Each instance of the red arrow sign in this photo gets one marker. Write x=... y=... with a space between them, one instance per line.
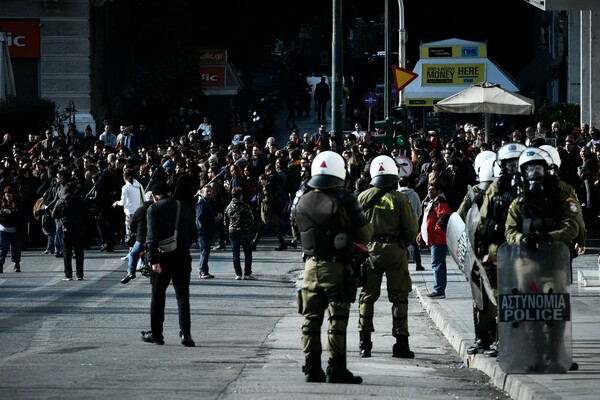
x=402 y=77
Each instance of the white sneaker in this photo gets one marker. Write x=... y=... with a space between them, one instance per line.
x=238 y=277
x=125 y=258
x=249 y=277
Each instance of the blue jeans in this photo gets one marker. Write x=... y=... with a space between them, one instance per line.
x=134 y=256
x=245 y=241
x=416 y=253
x=57 y=240
x=205 y=241
x=438 y=265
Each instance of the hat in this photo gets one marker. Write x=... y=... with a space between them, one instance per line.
x=88 y=128
x=160 y=188
x=432 y=133
x=569 y=139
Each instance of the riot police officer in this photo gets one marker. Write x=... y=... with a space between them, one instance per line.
x=394 y=226
x=490 y=233
x=543 y=213
x=323 y=211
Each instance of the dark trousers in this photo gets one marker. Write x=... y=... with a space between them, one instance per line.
x=106 y=225
x=176 y=267
x=70 y=244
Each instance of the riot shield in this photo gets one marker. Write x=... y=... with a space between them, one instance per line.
x=473 y=218
x=534 y=309
x=462 y=253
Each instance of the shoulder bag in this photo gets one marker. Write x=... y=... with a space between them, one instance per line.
x=169 y=244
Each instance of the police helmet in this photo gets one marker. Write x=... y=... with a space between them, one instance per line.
x=554 y=155
x=384 y=171
x=327 y=171
x=481 y=157
x=533 y=156
x=509 y=151
x=507 y=157
x=486 y=173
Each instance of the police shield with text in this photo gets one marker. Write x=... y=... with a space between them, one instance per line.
x=320 y=214
x=534 y=303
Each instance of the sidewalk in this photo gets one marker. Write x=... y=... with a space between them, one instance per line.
x=453 y=317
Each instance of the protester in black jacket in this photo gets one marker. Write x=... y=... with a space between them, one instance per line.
x=166 y=266
x=74 y=214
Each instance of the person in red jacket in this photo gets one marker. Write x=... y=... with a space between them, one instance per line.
x=436 y=213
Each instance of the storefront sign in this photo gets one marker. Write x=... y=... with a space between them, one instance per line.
x=452 y=74
x=23 y=37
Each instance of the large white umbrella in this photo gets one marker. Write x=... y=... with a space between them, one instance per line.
x=7 y=79
x=487 y=98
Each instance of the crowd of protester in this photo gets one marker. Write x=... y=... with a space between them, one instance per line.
x=99 y=165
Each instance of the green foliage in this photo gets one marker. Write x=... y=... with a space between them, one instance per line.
x=21 y=115
x=567 y=114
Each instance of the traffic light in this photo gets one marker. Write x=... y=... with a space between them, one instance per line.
x=400 y=127
x=387 y=126
x=395 y=133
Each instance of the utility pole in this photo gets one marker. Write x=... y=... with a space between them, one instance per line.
x=386 y=73
x=337 y=74
x=402 y=38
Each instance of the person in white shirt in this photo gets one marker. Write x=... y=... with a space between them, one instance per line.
x=132 y=196
x=205 y=129
x=358 y=132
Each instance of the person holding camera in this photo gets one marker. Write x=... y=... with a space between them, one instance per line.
x=320 y=213
x=13 y=223
x=394 y=228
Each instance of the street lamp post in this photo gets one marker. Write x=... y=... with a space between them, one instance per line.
x=71 y=111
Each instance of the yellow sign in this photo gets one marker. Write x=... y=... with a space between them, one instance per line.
x=402 y=77
x=452 y=74
x=468 y=51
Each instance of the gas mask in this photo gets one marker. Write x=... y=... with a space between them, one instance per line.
x=534 y=174
x=510 y=166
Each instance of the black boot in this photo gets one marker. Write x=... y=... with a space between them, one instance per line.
x=475 y=347
x=338 y=373
x=365 y=344
x=17 y=267
x=312 y=370
x=1 y=268
x=282 y=245
x=401 y=348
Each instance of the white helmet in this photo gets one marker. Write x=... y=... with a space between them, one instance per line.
x=481 y=157
x=327 y=170
x=384 y=171
x=507 y=157
x=510 y=150
x=486 y=173
x=554 y=155
x=532 y=155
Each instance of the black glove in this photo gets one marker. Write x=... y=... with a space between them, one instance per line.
x=532 y=240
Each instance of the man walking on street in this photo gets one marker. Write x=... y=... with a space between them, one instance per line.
x=175 y=265
x=322 y=96
x=239 y=219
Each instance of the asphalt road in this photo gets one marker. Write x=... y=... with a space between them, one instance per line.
x=80 y=339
